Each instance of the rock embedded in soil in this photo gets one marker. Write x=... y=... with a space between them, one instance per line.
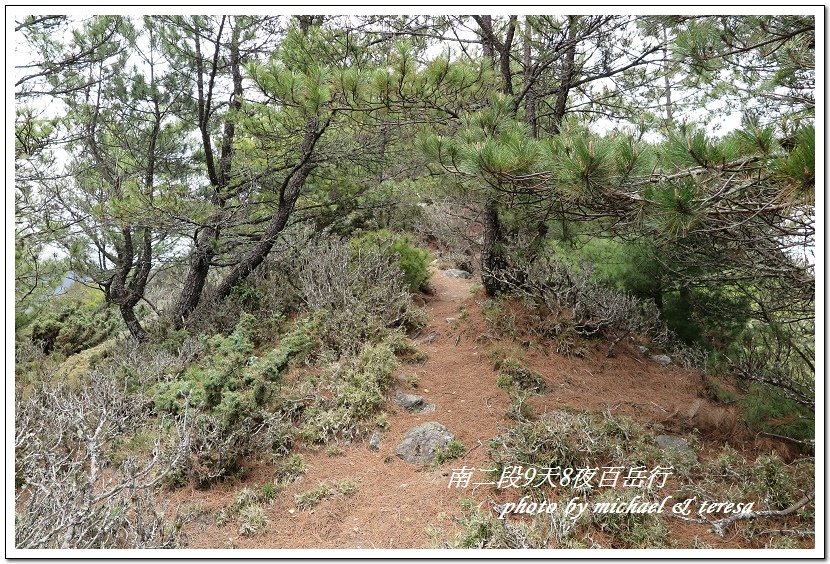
x=374 y=441
x=456 y=273
x=408 y=401
x=677 y=444
x=421 y=443
x=429 y=339
x=412 y=402
x=661 y=359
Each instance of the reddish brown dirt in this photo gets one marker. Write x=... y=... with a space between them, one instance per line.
x=398 y=505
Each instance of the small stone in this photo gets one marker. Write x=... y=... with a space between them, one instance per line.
x=675 y=443
x=374 y=441
x=643 y=350
x=408 y=401
x=450 y=319
x=429 y=339
x=661 y=359
x=456 y=273
x=421 y=443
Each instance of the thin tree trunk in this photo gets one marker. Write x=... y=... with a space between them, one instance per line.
x=669 y=115
x=492 y=261
x=207 y=236
x=288 y=197
x=530 y=99
x=258 y=254
x=130 y=319
x=567 y=76
x=195 y=279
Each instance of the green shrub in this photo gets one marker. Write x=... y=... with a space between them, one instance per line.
x=767 y=409
x=356 y=296
x=252 y=519
x=289 y=470
x=453 y=449
x=230 y=388
x=405 y=349
x=310 y=498
x=514 y=373
x=480 y=529
x=412 y=260
x=632 y=530
x=75 y=321
x=356 y=391
x=772 y=482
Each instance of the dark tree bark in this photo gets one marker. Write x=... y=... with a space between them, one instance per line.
x=492 y=259
x=208 y=235
x=530 y=97
x=567 y=77
x=289 y=193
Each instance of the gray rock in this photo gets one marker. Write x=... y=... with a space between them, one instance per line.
x=456 y=273
x=421 y=443
x=643 y=350
x=374 y=441
x=450 y=319
x=429 y=339
x=413 y=403
x=675 y=443
x=661 y=359
x=408 y=401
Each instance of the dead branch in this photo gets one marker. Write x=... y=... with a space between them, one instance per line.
x=720 y=526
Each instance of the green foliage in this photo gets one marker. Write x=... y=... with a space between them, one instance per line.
x=480 y=529
x=628 y=266
x=514 y=373
x=289 y=470
x=798 y=168
x=357 y=388
x=765 y=408
x=231 y=382
x=675 y=207
x=76 y=321
x=252 y=519
x=453 y=449
x=632 y=530
x=412 y=260
x=230 y=387
x=574 y=440
x=405 y=349
x=310 y=498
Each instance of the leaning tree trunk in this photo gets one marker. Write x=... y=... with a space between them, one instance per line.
x=203 y=252
x=257 y=255
x=289 y=193
x=132 y=323
x=195 y=279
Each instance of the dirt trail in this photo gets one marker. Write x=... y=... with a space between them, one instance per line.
x=400 y=505
x=396 y=503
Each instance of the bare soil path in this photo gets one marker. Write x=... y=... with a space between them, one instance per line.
x=400 y=505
